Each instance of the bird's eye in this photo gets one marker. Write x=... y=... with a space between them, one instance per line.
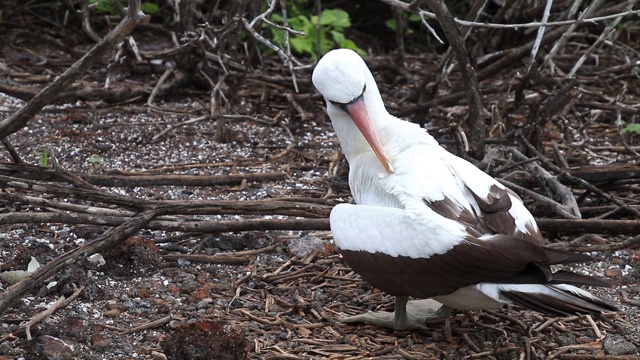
x=364 y=88
x=335 y=103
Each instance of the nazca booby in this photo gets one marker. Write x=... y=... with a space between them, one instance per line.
x=428 y=224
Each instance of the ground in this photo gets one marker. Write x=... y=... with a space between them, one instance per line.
x=284 y=298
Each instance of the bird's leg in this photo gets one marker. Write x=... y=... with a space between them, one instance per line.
x=407 y=314
x=401 y=320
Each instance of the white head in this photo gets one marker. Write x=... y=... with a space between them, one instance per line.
x=347 y=85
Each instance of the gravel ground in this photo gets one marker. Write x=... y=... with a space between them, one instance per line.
x=285 y=301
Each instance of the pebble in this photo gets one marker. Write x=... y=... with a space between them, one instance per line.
x=99 y=342
x=613 y=272
x=111 y=313
x=617 y=345
x=302 y=246
x=51 y=347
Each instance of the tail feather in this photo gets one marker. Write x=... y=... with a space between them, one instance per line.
x=559 y=300
x=559 y=256
x=571 y=278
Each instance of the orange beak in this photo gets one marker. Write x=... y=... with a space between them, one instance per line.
x=358 y=112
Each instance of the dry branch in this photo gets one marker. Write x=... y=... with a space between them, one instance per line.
x=20 y=118
x=477 y=125
x=586 y=226
x=134 y=180
x=107 y=240
x=200 y=226
x=209 y=259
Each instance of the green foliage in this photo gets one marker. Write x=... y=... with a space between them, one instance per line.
x=391 y=23
x=109 y=6
x=106 y=6
x=95 y=160
x=43 y=157
x=333 y=23
x=631 y=129
x=149 y=8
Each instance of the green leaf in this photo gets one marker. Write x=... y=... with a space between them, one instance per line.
x=348 y=44
x=327 y=17
x=631 y=129
x=338 y=36
x=302 y=45
x=149 y=8
x=340 y=18
x=414 y=17
x=391 y=24
x=96 y=160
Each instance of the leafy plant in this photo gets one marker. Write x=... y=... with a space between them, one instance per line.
x=631 y=129
x=391 y=23
x=109 y=6
x=333 y=23
x=95 y=160
x=43 y=157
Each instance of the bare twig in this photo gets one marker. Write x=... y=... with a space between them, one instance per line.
x=534 y=24
x=21 y=117
x=149 y=325
x=106 y=241
x=476 y=109
x=57 y=305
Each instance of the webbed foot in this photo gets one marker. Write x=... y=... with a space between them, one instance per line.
x=408 y=315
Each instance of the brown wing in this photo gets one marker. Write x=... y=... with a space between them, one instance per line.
x=494 y=217
x=504 y=259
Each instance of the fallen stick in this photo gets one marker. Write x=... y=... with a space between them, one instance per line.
x=200 y=226
x=289 y=207
x=108 y=240
x=209 y=259
x=149 y=325
x=20 y=118
x=31 y=172
x=590 y=226
x=59 y=304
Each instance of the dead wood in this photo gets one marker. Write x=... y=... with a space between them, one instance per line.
x=517 y=54
x=564 y=176
x=21 y=117
x=198 y=226
x=605 y=174
x=604 y=248
x=569 y=207
x=61 y=303
x=209 y=259
x=107 y=240
x=289 y=207
x=132 y=179
x=149 y=325
x=477 y=125
x=586 y=226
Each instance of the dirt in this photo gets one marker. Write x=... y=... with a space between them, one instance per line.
x=285 y=302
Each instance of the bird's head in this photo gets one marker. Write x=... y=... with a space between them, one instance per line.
x=343 y=79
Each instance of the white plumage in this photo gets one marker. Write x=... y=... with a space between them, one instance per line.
x=428 y=223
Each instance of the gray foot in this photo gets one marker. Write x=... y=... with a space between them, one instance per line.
x=408 y=315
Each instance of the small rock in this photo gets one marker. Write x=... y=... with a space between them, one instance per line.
x=204 y=303
x=99 y=342
x=143 y=293
x=613 y=272
x=201 y=293
x=302 y=246
x=616 y=345
x=54 y=348
x=205 y=340
x=72 y=328
x=111 y=313
x=158 y=355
